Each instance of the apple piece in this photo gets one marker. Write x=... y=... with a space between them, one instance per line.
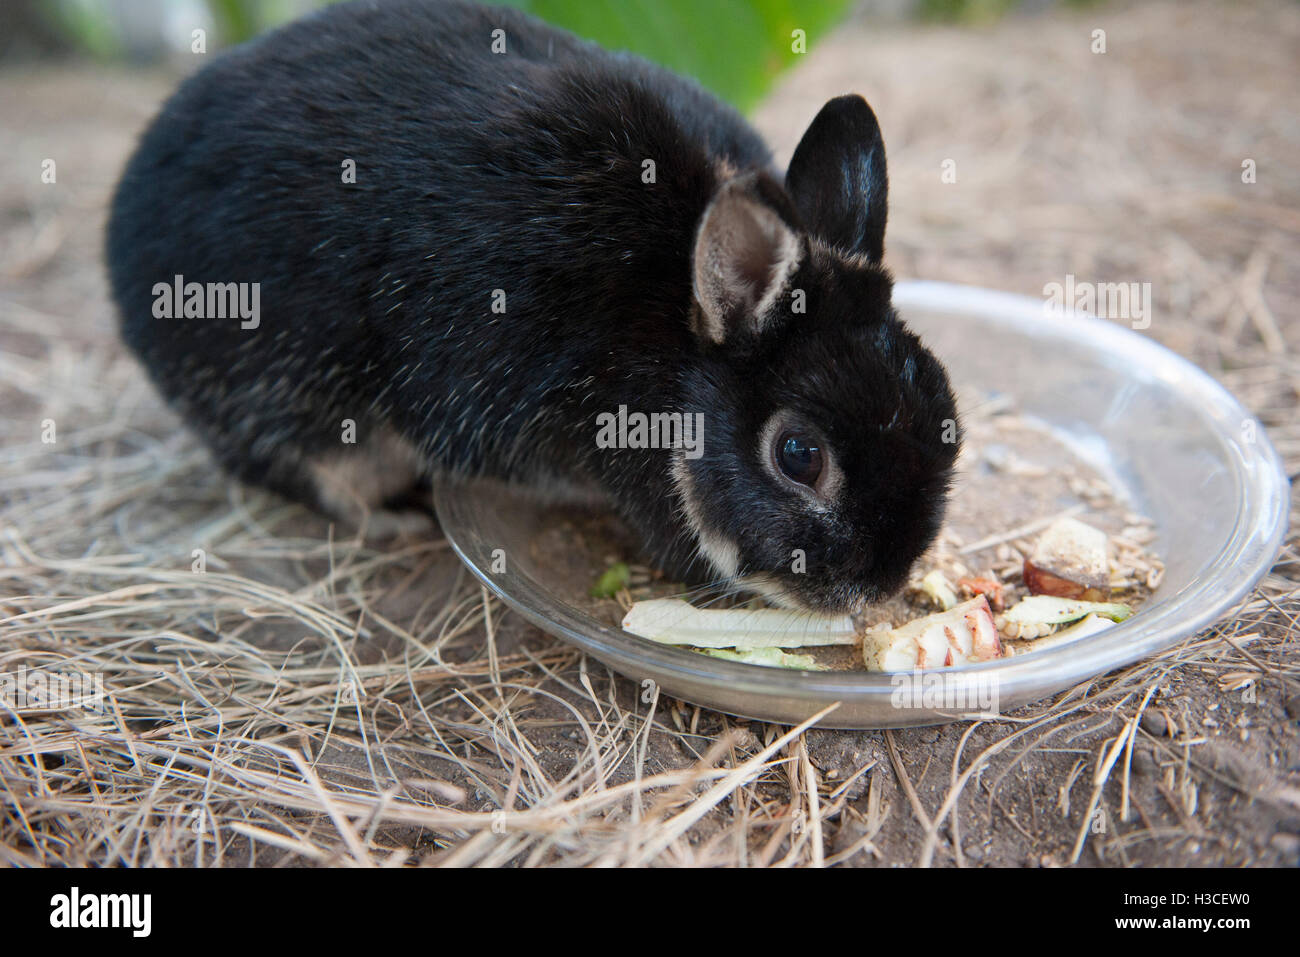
x=963 y=634
x=938 y=589
x=1069 y=561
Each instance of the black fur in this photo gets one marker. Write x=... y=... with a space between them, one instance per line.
x=843 y=150
x=523 y=172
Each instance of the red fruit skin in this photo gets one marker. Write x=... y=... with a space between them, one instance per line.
x=980 y=649
x=989 y=588
x=1040 y=581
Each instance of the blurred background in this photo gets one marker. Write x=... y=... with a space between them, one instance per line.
x=676 y=33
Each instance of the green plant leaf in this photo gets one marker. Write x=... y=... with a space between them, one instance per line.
x=735 y=48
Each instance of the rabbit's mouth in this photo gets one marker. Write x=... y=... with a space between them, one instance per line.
x=850 y=600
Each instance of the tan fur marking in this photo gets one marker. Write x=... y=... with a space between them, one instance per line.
x=723 y=555
x=358 y=479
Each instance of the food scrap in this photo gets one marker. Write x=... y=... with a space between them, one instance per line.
x=614 y=580
x=965 y=633
x=937 y=588
x=1049 y=610
x=990 y=588
x=1038 y=555
x=671 y=621
x=1070 y=561
x=768 y=657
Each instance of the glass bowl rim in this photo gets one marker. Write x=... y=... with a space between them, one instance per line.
x=1259 y=528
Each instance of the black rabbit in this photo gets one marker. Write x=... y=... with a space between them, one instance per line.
x=396 y=239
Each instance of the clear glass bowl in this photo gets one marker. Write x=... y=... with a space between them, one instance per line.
x=1162 y=430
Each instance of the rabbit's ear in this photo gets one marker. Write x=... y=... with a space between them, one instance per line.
x=746 y=249
x=837 y=178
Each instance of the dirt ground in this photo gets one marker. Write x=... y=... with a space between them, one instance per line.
x=314 y=699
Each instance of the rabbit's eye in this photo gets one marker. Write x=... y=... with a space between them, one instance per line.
x=800 y=457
